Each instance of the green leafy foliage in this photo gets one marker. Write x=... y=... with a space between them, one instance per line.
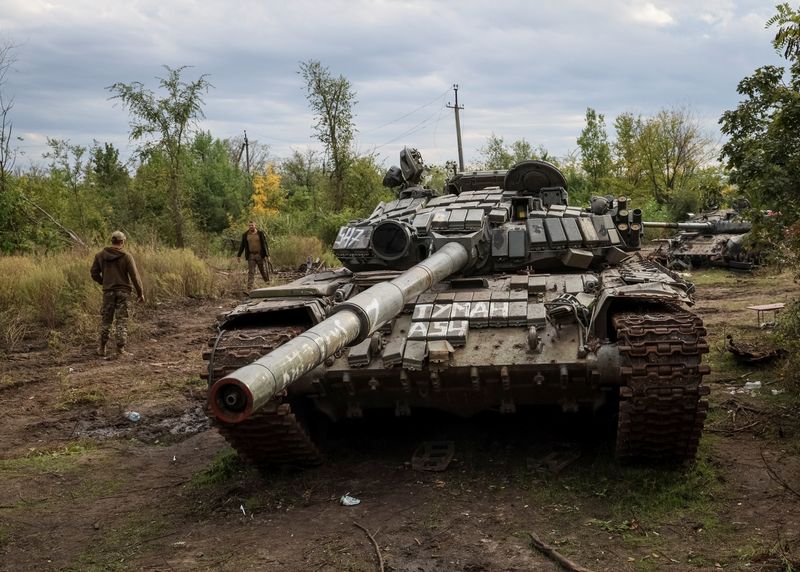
x=218 y=188
x=787 y=38
x=496 y=154
x=762 y=150
x=595 y=149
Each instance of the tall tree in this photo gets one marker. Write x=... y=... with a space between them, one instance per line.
x=332 y=100
x=7 y=154
x=672 y=148
x=164 y=123
x=595 y=149
x=627 y=162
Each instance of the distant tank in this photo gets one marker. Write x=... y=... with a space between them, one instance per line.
x=713 y=238
x=488 y=299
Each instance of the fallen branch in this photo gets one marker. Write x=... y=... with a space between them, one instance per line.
x=374 y=543
x=735 y=429
x=777 y=478
x=555 y=555
x=72 y=235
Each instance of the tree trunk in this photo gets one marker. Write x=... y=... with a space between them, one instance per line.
x=177 y=215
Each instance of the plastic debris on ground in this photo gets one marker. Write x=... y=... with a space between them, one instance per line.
x=133 y=416
x=348 y=500
x=751 y=385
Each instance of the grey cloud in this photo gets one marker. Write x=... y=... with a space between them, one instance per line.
x=524 y=69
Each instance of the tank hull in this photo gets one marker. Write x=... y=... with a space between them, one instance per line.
x=498 y=347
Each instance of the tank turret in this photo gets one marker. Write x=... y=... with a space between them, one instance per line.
x=495 y=296
x=714 y=238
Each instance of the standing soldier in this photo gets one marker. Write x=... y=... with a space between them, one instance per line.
x=115 y=269
x=256 y=252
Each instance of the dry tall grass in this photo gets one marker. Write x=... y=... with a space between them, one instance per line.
x=291 y=251
x=56 y=291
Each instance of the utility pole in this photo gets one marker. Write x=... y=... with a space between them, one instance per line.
x=456 y=107
x=247 y=152
x=246 y=149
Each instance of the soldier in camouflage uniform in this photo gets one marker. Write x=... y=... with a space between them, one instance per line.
x=115 y=269
x=256 y=252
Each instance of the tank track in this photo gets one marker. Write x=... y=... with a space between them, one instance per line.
x=661 y=410
x=274 y=434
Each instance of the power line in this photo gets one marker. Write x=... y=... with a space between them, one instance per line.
x=414 y=129
x=431 y=102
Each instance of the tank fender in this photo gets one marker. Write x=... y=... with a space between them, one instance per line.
x=647 y=291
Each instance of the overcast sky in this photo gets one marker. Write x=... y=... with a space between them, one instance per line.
x=525 y=69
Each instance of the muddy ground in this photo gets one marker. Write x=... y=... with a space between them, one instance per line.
x=84 y=488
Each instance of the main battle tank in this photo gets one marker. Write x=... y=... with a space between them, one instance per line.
x=714 y=238
x=493 y=298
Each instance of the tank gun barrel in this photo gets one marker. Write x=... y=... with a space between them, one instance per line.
x=235 y=397
x=719 y=226
x=698 y=226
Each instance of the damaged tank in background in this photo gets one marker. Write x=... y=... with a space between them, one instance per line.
x=713 y=238
x=493 y=298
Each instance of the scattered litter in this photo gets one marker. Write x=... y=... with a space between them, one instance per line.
x=348 y=500
x=71 y=370
x=174 y=458
x=777 y=391
x=433 y=456
x=133 y=416
x=179 y=544
x=751 y=385
x=241 y=508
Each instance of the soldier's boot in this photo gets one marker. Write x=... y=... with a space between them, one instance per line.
x=123 y=353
